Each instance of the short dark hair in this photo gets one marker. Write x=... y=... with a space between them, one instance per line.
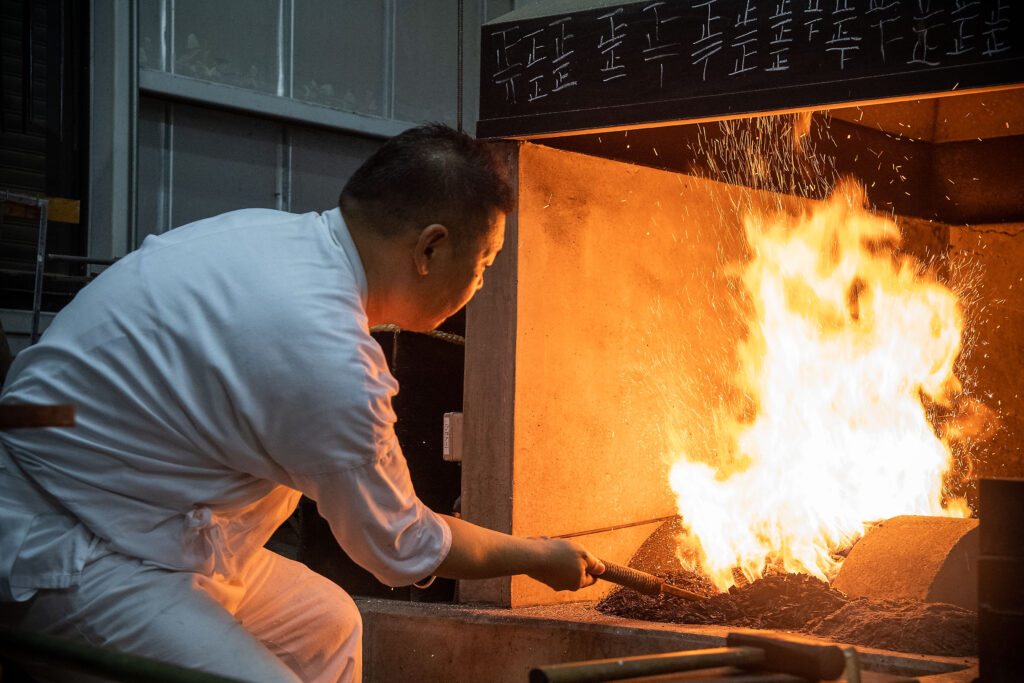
x=429 y=174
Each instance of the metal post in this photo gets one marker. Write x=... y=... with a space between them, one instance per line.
x=37 y=290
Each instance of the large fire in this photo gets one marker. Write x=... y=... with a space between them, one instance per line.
x=845 y=341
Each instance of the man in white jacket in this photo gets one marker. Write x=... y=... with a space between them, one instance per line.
x=221 y=371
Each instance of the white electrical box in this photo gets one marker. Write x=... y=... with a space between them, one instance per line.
x=452 y=449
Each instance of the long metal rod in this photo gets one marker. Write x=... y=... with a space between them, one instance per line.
x=70 y=258
x=626 y=525
x=751 y=678
x=18 y=198
x=648 y=665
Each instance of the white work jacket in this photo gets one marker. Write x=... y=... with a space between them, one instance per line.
x=217 y=372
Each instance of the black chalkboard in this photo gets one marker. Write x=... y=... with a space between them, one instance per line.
x=647 y=62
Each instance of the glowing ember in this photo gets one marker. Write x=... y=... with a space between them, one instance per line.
x=844 y=339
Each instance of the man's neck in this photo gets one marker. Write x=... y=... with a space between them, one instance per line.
x=378 y=267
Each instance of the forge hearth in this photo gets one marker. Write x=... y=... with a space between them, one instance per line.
x=931 y=642
x=435 y=643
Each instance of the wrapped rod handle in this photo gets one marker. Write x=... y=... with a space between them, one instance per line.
x=641 y=582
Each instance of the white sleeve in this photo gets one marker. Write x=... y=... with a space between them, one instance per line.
x=378 y=520
x=320 y=409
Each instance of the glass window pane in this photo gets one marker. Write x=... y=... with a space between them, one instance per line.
x=151 y=35
x=426 y=60
x=339 y=54
x=220 y=162
x=233 y=42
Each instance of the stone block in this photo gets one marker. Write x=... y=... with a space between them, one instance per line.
x=933 y=559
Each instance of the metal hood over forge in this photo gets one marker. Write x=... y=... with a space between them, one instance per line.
x=569 y=66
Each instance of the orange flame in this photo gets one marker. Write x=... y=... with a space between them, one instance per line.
x=844 y=338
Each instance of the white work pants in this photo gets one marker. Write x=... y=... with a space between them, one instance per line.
x=277 y=621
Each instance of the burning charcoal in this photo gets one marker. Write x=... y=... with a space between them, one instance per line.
x=797 y=602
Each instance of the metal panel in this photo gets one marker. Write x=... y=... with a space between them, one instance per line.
x=321 y=163
x=152 y=27
x=264 y=105
x=221 y=162
x=426 y=53
x=308 y=166
x=112 y=126
x=587 y=66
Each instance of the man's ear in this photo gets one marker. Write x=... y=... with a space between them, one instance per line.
x=430 y=238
